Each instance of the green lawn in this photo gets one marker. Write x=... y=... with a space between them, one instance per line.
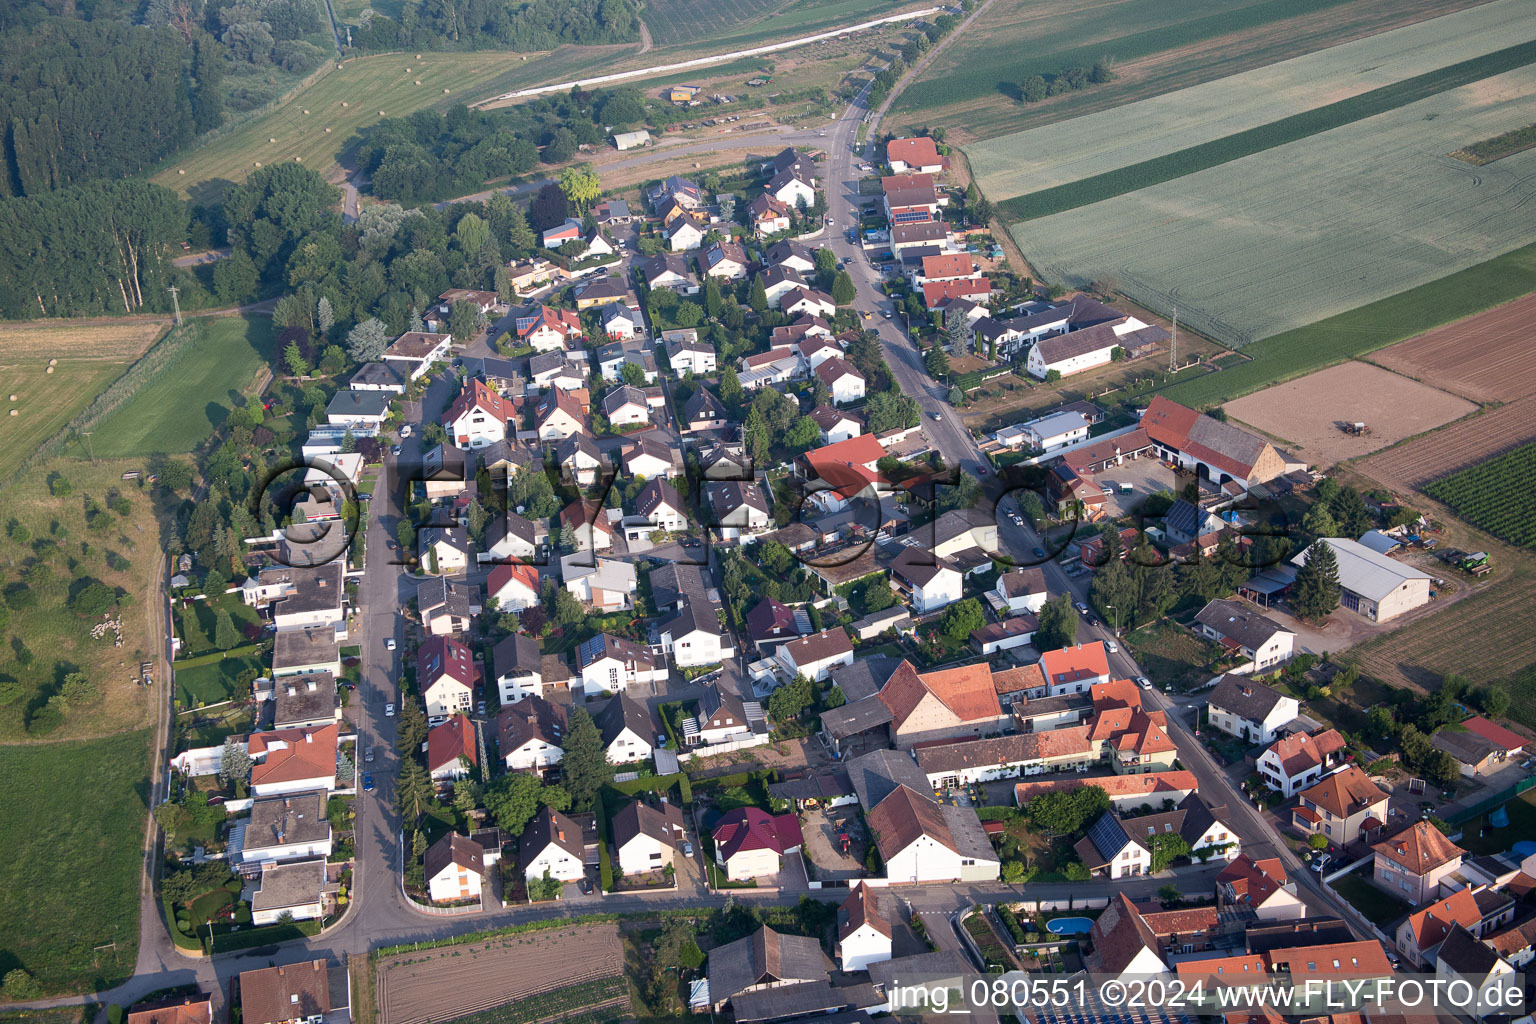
x=1522 y=825
x=213 y=682
x=198 y=624
x=1381 y=908
x=181 y=407
x=1299 y=352
x=69 y=883
x=1173 y=657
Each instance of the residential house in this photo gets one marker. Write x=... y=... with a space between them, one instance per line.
x=377 y=377
x=952 y=765
x=910 y=237
x=1412 y=863
x=1461 y=957
x=304 y=701
x=770 y=623
x=446 y=607
x=675 y=189
x=723 y=717
x=927 y=582
x=615 y=211
x=1022 y=590
x=298 y=993
x=452 y=752
x=363 y=412
x=814 y=656
x=646 y=837
x=1240 y=629
x=1205 y=828
x=529 y=734
x=704 y=411
x=1123 y=944
x=627 y=729
x=792 y=188
x=1213 y=449
x=779 y=280
x=416 y=352
x=666 y=270
x=687 y=354
x=547 y=329
x=844 y=383
x=836 y=425
x=768 y=216
x=914 y=156
x=693 y=635
x=959 y=530
x=721 y=461
x=514 y=585
x=1295 y=762
x=509 y=537
x=660 y=504
x=910 y=198
x=444 y=550
x=605 y=584
x=1343 y=807
x=802 y=301
x=921 y=840
x=749 y=842
x=552 y=845
x=579 y=460
x=600 y=291
x=620 y=323
x=557 y=236
x=587 y=525
x=1111 y=851
x=518 y=666
x=446 y=674
x=948 y=704
x=791 y=255
x=626 y=406
x=764 y=960
x=739 y=508
x=1075 y=669
x=724 y=261
x=290 y=761
x=612 y=664
x=650 y=459
x=559 y=415
x=863 y=934
x=684 y=234
x=305 y=651
x=532 y=275
x=286 y=828
x=1419 y=935
x=1249 y=709
x=1259 y=886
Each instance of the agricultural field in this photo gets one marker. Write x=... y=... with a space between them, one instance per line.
x=480 y=979
x=1489 y=637
x=1466 y=443
x=189 y=398
x=1500 y=146
x=1404 y=315
x=1313 y=228
x=1308 y=413
x=90 y=356
x=743 y=21
x=1485 y=357
x=973 y=88
x=69 y=883
x=317 y=122
x=53 y=536
x=1495 y=495
x=1070 y=151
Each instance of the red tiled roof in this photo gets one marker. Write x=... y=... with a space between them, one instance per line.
x=936 y=292
x=948 y=264
x=1345 y=792
x=448 y=742
x=918 y=152
x=293 y=754
x=1150 y=784
x=477 y=394
x=1419 y=848
x=441 y=657
x=1434 y=922
x=1299 y=753
x=1359 y=959
x=509 y=571
x=1495 y=733
x=1070 y=664
x=752 y=828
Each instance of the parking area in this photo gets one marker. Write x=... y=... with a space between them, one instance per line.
x=823 y=828
x=1145 y=475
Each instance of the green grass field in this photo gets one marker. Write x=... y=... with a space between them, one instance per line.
x=735 y=24
x=1377 y=325
x=682 y=21
x=1495 y=495
x=179 y=409
x=69 y=883
x=1264 y=137
x=214 y=682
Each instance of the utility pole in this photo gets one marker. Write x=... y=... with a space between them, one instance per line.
x=175 y=304
x=1173 y=346
x=87 y=435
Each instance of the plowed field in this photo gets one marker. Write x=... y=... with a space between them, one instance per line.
x=1458 y=446
x=456 y=981
x=1485 y=357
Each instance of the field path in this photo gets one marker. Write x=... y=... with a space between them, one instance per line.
x=645 y=36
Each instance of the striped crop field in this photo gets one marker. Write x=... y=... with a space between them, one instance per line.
x=746 y=22
x=1495 y=495
x=1313 y=228
x=1096 y=144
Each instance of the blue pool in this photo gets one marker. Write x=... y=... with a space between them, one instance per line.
x=1070 y=925
x=1524 y=848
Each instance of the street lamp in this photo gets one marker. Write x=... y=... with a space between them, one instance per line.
x=1117 y=617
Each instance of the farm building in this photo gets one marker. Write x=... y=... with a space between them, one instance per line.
x=1209 y=447
x=1374 y=585
x=919 y=155
x=631 y=140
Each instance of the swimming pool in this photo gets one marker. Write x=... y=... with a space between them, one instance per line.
x=1069 y=925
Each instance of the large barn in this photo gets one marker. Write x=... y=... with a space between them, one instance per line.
x=1211 y=448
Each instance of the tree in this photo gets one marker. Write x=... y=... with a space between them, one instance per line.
x=843 y=292
x=92 y=600
x=1058 y=624
x=413 y=791
x=235 y=764
x=731 y=391
x=957 y=334
x=961 y=619
x=580 y=185
x=1317 y=841
x=1068 y=812
x=1166 y=848
x=1052 y=376
x=936 y=361
x=1349 y=511
x=225 y=635
x=757 y=298
x=410 y=728
x=1319 y=521
x=789 y=701
x=463 y=322
x=584 y=765
x=803 y=434
x=367 y=341
x=713 y=303
x=757 y=436
x=1316 y=590
x=1031 y=507
x=514 y=798
x=325 y=316
x=293 y=358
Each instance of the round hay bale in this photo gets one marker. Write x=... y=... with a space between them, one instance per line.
x=306 y=111
x=49 y=370
x=181 y=172
x=258 y=163
x=418 y=56
x=418 y=81
x=327 y=131
x=15 y=412
x=53 y=362
x=344 y=103
x=445 y=92
x=271 y=138
x=298 y=159
x=407 y=70
x=13 y=398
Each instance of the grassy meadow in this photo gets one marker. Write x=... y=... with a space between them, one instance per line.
x=183 y=405
x=69 y=883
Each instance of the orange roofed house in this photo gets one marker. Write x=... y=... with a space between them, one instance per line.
x=944 y=705
x=1344 y=806
x=914 y=156
x=1411 y=864
x=1422 y=931
x=1261 y=886
x=293 y=760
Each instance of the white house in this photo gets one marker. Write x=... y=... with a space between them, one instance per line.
x=921 y=840
x=723 y=717
x=416 y=352
x=686 y=353
x=514 y=586
x=1110 y=852
x=620 y=323
x=749 y=842
x=508 y=536
x=552 y=845
x=1260 y=886
x=612 y=664
x=725 y=261
x=444 y=550
x=1462 y=957
x=519 y=669
x=1250 y=710
x=1295 y=762
x=843 y=382
x=445 y=671
x=1056 y=430
x=1076 y=351
x=807 y=301
x=1239 y=627
x=816 y=655
x=291 y=761
x=661 y=505
x=626 y=406
x=835 y=425
x=452 y=751
x=289 y=891
x=918 y=155
x=929 y=582
x=363 y=411
x=606 y=584
x=478 y=416
x=287 y=828
x=529 y=734
x=627 y=730
x=863 y=935
x=692 y=635
x=1204 y=827
x=1022 y=590
x=645 y=836
x=791 y=189
x=683 y=234
x=454 y=867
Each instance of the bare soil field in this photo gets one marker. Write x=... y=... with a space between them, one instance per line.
x=1474 y=439
x=1308 y=413
x=1485 y=357
x=113 y=342
x=455 y=981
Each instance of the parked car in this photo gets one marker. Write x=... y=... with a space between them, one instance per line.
x=389 y=711
x=938 y=417
x=368 y=755
x=405 y=431
x=480 y=709
x=368 y=782
x=395 y=449
x=1111 y=647
x=365 y=496
x=1144 y=682
x=389 y=643
x=687 y=848
x=1040 y=553
x=1082 y=609
x=1320 y=862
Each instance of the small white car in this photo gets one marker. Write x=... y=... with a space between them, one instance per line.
x=389 y=711
x=1144 y=682
x=389 y=643
x=1111 y=647
x=405 y=431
